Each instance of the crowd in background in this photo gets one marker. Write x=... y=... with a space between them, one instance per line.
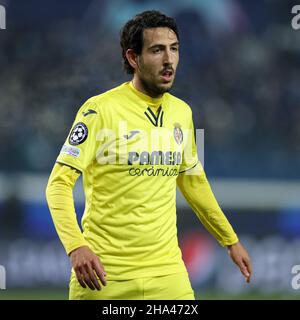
x=239 y=72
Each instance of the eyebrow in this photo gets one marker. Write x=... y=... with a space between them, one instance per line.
x=163 y=45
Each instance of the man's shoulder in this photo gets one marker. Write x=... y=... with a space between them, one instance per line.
x=106 y=97
x=178 y=103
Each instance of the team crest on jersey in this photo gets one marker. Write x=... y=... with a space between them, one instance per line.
x=79 y=134
x=178 y=134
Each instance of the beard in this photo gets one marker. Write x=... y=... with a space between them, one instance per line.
x=153 y=89
x=151 y=85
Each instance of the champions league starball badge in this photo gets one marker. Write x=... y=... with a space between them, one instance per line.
x=78 y=134
x=178 y=134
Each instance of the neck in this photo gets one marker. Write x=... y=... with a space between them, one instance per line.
x=137 y=83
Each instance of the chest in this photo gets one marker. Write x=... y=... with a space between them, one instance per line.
x=143 y=136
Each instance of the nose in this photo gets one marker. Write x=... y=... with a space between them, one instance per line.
x=168 y=57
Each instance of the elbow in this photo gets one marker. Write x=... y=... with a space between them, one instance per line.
x=48 y=191
x=51 y=186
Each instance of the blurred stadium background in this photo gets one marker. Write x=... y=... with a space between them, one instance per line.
x=239 y=71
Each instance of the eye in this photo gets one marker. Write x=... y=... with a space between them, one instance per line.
x=156 y=50
x=175 y=49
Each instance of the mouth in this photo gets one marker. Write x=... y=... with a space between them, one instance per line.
x=167 y=75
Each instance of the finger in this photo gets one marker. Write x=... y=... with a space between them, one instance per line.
x=79 y=278
x=86 y=278
x=99 y=271
x=244 y=269
x=93 y=278
x=248 y=265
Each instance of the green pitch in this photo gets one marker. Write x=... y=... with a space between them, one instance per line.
x=60 y=294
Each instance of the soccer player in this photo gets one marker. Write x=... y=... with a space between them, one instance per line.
x=133 y=144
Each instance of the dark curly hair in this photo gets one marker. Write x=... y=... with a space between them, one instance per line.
x=131 y=35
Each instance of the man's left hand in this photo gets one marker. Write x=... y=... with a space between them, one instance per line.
x=241 y=258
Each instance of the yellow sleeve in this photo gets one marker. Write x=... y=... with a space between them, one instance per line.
x=190 y=156
x=80 y=147
x=59 y=195
x=197 y=191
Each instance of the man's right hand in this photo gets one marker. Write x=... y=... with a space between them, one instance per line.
x=87 y=267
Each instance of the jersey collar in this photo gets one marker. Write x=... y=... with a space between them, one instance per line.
x=152 y=102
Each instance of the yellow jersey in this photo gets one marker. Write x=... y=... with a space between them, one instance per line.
x=130 y=149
